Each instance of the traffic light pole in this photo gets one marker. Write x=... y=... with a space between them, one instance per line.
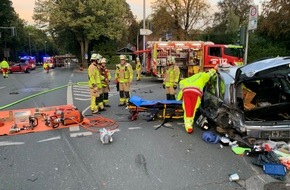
x=246 y=47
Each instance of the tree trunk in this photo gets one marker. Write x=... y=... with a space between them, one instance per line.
x=84 y=44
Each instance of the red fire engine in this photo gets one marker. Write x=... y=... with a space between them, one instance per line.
x=190 y=56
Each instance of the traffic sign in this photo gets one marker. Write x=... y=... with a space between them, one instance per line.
x=145 y=32
x=253 y=17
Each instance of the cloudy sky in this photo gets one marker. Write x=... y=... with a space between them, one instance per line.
x=25 y=8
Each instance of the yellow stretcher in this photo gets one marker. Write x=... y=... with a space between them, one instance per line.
x=164 y=109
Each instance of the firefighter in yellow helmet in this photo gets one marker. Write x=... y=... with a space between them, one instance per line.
x=105 y=82
x=124 y=77
x=171 y=79
x=46 y=66
x=100 y=99
x=190 y=93
x=138 y=69
x=94 y=83
x=4 y=65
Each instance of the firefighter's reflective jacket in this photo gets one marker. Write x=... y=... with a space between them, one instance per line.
x=124 y=73
x=171 y=76
x=106 y=76
x=195 y=83
x=94 y=76
x=138 y=66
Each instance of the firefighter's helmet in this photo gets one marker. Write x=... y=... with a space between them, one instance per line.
x=171 y=60
x=123 y=57
x=137 y=59
x=103 y=60
x=96 y=56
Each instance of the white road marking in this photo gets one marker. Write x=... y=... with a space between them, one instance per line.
x=7 y=143
x=82 y=134
x=130 y=128
x=81 y=86
x=83 y=99
x=69 y=94
x=1 y=87
x=49 y=139
x=115 y=130
x=84 y=95
x=74 y=128
x=83 y=91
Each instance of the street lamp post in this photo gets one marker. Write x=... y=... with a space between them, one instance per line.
x=144 y=38
x=45 y=48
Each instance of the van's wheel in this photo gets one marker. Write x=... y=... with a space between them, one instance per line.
x=232 y=133
x=251 y=140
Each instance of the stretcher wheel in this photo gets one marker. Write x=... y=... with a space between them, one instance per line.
x=133 y=116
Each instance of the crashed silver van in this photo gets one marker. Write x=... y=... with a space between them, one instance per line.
x=253 y=99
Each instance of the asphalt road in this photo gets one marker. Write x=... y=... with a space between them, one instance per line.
x=140 y=156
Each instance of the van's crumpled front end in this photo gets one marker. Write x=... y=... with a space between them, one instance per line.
x=253 y=99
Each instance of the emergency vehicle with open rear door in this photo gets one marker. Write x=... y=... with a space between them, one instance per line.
x=190 y=56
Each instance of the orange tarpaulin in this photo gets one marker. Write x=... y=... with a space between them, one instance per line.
x=16 y=122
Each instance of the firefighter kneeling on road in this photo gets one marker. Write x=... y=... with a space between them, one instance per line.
x=94 y=83
x=191 y=90
x=171 y=79
x=124 y=76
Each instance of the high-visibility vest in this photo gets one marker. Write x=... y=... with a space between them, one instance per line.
x=138 y=66
x=106 y=75
x=124 y=73
x=94 y=76
x=171 y=76
x=195 y=83
x=4 y=64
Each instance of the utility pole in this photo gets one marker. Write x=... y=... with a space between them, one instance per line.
x=144 y=37
x=252 y=25
x=137 y=48
x=29 y=44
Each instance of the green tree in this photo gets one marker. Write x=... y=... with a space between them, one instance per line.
x=162 y=22
x=274 y=21
x=227 y=20
x=262 y=47
x=182 y=16
x=240 y=8
x=7 y=19
x=86 y=19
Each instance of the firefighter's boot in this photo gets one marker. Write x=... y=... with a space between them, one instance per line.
x=188 y=124
x=172 y=97
x=94 y=107
x=101 y=103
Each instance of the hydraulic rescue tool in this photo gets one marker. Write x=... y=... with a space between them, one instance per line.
x=63 y=116
x=33 y=122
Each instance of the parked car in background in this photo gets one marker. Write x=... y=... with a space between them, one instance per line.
x=30 y=60
x=253 y=100
x=19 y=67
